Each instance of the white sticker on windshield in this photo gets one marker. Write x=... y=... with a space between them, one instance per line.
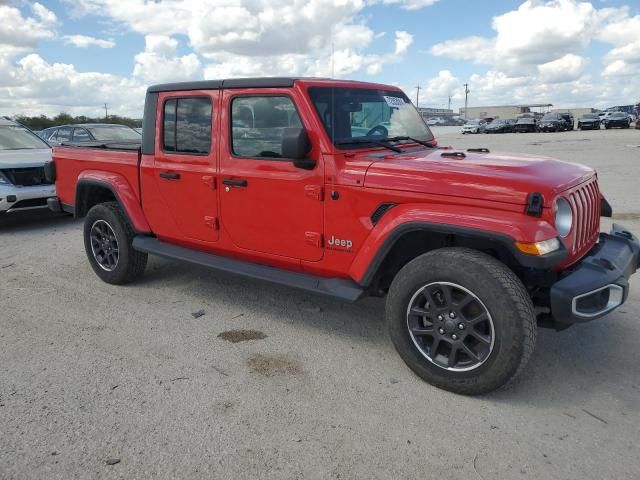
x=394 y=101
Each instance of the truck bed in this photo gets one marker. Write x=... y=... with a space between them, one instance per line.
x=95 y=160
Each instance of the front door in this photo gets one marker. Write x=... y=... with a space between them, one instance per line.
x=267 y=204
x=185 y=164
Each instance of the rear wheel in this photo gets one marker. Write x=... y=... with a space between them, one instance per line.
x=461 y=320
x=108 y=241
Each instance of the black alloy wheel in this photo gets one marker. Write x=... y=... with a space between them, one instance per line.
x=104 y=245
x=450 y=326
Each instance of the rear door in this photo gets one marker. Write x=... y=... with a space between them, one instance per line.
x=186 y=161
x=267 y=204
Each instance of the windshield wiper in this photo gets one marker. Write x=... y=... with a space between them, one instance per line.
x=400 y=138
x=361 y=140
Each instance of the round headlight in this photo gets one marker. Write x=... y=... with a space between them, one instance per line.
x=564 y=217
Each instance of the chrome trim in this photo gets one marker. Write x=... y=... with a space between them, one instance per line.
x=616 y=296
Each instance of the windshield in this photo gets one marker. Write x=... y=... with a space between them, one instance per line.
x=618 y=115
x=590 y=116
x=550 y=117
x=114 y=133
x=498 y=122
x=19 y=138
x=351 y=116
x=472 y=122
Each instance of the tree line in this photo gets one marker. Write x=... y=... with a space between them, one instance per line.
x=41 y=122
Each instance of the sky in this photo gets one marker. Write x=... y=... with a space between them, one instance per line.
x=76 y=55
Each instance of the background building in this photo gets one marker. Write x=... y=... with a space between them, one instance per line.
x=504 y=111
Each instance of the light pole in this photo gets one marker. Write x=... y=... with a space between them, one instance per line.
x=418 y=96
x=466 y=99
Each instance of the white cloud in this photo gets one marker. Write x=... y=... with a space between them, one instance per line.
x=538 y=53
x=411 y=4
x=160 y=63
x=275 y=37
x=41 y=87
x=564 y=69
x=20 y=33
x=84 y=41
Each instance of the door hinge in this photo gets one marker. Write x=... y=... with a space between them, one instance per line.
x=313 y=238
x=212 y=222
x=314 y=191
x=210 y=181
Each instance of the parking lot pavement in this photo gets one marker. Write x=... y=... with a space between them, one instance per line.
x=98 y=381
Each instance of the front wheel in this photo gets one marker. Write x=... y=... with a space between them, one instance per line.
x=108 y=238
x=461 y=320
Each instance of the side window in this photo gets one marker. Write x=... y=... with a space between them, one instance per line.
x=187 y=125
x=63 y=135
x=258 y=123
x=80 y=135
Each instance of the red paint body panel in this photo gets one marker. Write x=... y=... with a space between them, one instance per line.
x=296 y=219
x=119 y=169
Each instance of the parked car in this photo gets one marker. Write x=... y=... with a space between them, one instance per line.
x=474 y=126
x=90 y=132
x=553 y=122
x=568 y=117
x=500 y=126
x=617 y=119
x=638 y=123
x=471 y=248
x=526 y=124
x=589 y=121
x=23 y=185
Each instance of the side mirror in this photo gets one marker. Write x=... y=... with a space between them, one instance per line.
x=296 y=145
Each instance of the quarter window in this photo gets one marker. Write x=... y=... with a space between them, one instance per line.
x=258 y=124
x=64 y=134
x=187 y=125
x=80 y=135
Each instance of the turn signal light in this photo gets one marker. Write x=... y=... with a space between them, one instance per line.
x=539 y=248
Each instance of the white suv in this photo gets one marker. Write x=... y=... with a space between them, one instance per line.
x=23 y=185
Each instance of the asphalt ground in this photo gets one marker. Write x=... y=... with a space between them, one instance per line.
x=98 y=381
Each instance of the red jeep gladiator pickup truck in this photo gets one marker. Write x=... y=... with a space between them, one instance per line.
x=338 y=187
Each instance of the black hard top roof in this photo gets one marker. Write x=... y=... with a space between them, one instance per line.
x=259 y=82
x=263 y=82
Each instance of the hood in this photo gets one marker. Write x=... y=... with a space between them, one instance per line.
x=500 y=177
x=27 y=158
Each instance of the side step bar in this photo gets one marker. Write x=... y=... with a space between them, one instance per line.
x=334 y=287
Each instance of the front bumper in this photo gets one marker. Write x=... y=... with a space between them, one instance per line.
x=14 y=198
x=600 y=282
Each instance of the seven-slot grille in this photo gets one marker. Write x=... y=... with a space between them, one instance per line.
x=585 y=203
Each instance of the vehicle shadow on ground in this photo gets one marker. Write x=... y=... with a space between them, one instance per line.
x=586 y=358
x=572 y=366
x=34 y=220
x=364 y=319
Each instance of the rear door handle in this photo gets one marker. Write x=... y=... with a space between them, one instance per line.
x=235 y=183
x=170 y=175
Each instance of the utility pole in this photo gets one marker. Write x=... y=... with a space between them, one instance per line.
x=106 y=113
x=449 y=107
x=418 y=96
x=466 y=99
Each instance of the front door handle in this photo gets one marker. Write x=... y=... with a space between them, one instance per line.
x=170 y=175
x=235 y=183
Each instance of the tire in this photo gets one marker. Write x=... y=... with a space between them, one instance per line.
x=511 y=320
x=107 y=229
